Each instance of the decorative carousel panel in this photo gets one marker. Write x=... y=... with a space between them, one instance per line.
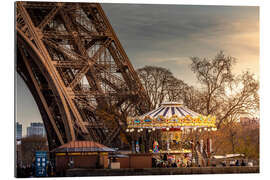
x=172 y=115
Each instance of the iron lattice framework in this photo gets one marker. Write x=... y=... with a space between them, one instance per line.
x=79 y=74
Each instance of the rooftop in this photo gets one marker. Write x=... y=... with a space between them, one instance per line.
x=83 y=146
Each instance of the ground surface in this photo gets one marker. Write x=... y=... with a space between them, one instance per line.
x=161 y=171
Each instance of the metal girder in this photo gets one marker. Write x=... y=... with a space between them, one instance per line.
x=93 y=81
x=79 y=43
x=65 y=35
x=43 y=53
x=76 y=57
x=102 y=49
x=69 y=64
x=79 y=76
x=49 y=17
x=45 y=105
x=113 y=134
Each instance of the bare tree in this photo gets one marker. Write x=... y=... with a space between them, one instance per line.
x=224 y=94
x=241 y=98
x=233 y=137
x=221 y=93
x=214 y=76
x=156 y=82
x=31 y=144
x=161 y=85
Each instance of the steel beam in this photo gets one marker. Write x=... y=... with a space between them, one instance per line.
x=80 y=43
x=45 y=105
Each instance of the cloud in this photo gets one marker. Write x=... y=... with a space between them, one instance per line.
x=167 y=35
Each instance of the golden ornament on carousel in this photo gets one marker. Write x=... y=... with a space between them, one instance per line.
x=172 y=115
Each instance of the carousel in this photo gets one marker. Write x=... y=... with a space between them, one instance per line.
x=169 y=125
x=171 y=115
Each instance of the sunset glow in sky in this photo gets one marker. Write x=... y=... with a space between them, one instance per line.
x=168 y=35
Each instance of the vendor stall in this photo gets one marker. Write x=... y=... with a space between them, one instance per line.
x=81 y=154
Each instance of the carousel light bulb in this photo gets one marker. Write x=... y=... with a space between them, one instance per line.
x=195 y=128
x=200 y=130
x=138 y=130
x=149 y=130
x=127 y=130
x=209 y=129
x=154 y=129
x=141 y=129
x=182 y=128
x=205 y=129
x=167 y=129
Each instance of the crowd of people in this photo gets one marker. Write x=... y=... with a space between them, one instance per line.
x=163 y=161
x=28 y=170
x=25 y=170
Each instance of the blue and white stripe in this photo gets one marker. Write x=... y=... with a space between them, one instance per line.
x=167 y=110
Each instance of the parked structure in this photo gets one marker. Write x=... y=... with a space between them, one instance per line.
x=81 y=154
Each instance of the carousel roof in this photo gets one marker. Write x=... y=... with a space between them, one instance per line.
x=83 y=146
x=169 y=109
x=171 y=115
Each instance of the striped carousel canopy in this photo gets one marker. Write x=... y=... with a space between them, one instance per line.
x=167 y=110
x=171 y=115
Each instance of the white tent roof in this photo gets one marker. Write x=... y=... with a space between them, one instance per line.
x=169 y=109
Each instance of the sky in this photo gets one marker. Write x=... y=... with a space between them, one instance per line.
x=168 y=35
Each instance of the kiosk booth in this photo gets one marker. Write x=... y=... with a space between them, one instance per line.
x=81 y=154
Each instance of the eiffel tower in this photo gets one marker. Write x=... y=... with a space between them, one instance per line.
x=77 y=71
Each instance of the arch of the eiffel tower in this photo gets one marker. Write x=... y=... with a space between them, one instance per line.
x=77 y=71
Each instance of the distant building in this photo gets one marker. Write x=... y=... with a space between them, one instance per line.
x=18 y=131
x=250 y=122
x=37 y=129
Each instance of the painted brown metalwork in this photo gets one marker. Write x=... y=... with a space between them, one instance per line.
x=75 y=66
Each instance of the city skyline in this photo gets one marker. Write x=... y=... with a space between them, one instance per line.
x=168 y=35
x=36 y=128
